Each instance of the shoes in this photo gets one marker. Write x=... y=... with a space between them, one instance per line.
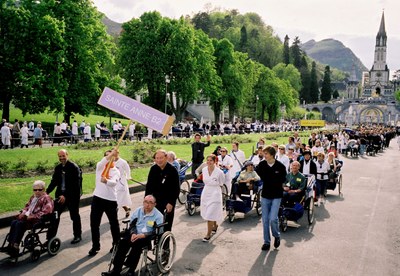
x=214 y=231
x=265 y=247
x=93 y=251
x=110 y=273
x=76 y=240
x=277 y=242
x=206 y=239
x=238 y=198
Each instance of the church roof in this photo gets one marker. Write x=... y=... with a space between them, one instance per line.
x=382 y=30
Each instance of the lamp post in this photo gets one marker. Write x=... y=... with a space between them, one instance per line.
x=257 y=98
x=167 y=80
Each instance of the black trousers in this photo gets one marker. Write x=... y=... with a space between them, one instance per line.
x=100 y=206
x=194 y=167
x=134 y=255
x=73 y=207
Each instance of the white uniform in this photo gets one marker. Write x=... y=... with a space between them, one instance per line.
x=227 y=161
x=5 y=135
x=238 y=161
x=24 y=135
x=132 y=131
x=97 y=131
x=87 y=133
x=74 y=128
x=107 y=190
x=284 y=160
x=211 y=208
x=123 y=195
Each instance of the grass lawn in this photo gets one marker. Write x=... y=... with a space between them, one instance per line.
x=16 y=191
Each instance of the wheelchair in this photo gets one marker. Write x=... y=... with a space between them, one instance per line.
x=32 y=244
x=295 y=211
x=338 y=181
x=160 y=253
x=193 y=198
x=184 y=184
x=247 y=202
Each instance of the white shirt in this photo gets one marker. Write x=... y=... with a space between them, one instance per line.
x=106 y=190
x=75 y=128
x=322 y=168
x=284 y=160
x=238 y=159
x=88 y=133
x=306 y=166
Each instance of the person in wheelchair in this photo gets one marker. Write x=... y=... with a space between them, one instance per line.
x=38 y=205
x=246 y=180
x=334 y=167
x=294 y=188
x=142 y=228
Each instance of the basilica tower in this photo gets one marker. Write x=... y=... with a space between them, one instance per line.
x=377 y=84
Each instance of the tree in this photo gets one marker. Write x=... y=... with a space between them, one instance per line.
x=326 y=89
x=305 y=81
x=290 y=73
x=296 y=53
x=243 y=40
x=230 y=70
x=202 y=21
x=31 y=57
x=335 y=94
x=314 y=89
x=286 y=51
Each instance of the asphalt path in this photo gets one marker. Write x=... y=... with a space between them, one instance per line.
x=357 y=233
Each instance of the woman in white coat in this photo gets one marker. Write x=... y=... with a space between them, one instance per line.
x=24 y=136
x=225 y=163
x=211 y=208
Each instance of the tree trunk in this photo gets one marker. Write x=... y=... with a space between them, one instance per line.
x=6 y=108
x=231 y=111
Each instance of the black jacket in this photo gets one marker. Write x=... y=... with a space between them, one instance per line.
x=163 y=185
x=273 y=179
x=73 y=188
x=198 y=151
x=313 y=167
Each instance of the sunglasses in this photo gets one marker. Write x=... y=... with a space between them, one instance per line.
x=37 y=190
x=223 y=150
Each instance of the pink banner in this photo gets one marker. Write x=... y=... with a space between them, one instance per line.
x=136 y=111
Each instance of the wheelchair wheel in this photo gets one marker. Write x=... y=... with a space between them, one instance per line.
x=258 y=203
x=310 y=210
x=340 y=183
x=185 y=188
x=30 y=241
x=165 y=252
x=225 y=196
x=283 y=223
x=231 y=215
x=53 y=246
x=35 y=255
x=191 y=208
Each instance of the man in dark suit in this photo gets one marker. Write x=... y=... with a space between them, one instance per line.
x=198 y=152
x=307 y=166
x=163 y=184
x=67 y=180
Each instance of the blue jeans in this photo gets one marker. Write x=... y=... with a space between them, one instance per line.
x=270 y=209
x=362 y=149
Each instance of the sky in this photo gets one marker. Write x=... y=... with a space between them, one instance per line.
x=354 y=22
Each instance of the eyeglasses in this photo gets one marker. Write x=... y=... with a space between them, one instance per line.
x=37 y=190
x=223 y=151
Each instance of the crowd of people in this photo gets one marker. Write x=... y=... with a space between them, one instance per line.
x=281 y=168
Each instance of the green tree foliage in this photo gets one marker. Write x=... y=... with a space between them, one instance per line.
x=326 y=89
x=290 y=73
x=314 y=89
x=286 y=50
x=262 y=45
x=335 y=94
x=202 y=21
x=296 y=53
x=305 y=81
x=88 y=55
x=231 y=71
x=31 y=56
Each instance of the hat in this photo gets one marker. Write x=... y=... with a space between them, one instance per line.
x=249 y=163
x=306 y=152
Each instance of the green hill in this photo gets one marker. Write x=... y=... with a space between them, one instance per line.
x=113 y=28
x=333 y=53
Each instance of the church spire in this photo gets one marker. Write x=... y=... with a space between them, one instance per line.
x=381 y=36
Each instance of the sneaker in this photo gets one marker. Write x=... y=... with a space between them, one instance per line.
x=206 y=239
x=277 y=242
x=76 y=240
x=93 y=251
x=265 y=247
x=214 y=231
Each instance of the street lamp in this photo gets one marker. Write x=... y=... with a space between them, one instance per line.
x=257 y=98
x=167 y=80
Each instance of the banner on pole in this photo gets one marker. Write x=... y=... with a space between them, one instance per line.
x=136 y=111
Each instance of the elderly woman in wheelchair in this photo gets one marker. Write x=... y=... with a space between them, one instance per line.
x=145 y=222
x=39 y=205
